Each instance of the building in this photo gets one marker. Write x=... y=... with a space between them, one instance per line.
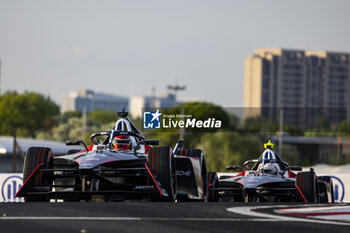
x=88 y=100
x=158 y=101
x=306 y=84
x=319 y=150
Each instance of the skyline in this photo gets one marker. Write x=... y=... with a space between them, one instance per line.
x=124 y=47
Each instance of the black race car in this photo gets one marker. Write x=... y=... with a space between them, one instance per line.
x=120 y=165
x=269 y=179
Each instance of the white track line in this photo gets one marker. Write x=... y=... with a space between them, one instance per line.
x=250 y=211
x=46 y=218
x=314 y=209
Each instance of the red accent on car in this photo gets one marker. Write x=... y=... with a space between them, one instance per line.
x=291 y=174
x=240 y=174
x=147 y=147
x=37 y=167
x=301 y=193
x=154 y=180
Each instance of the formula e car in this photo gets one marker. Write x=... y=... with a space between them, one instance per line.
x=269 y=179
x=120 y=165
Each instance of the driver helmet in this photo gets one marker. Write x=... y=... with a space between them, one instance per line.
x=122 y=142
x=269 y=168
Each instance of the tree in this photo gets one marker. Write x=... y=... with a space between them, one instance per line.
x=259 y=124
x=343 y=128
x=26 y=112
x=63 y=118
x=72 y=129
x=103 y=116
x=229 y=148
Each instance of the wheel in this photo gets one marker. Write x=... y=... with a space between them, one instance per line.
x=34 y=157
x=328 y=189
x=307 y=184
x=162 y=164
x=197 y=153
x=212 y=195
x=204 y=176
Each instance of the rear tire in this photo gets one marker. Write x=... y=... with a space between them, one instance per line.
x=162 y=164
x=307 y=183
x=212 y=195
x=34 y=157
x=197 y=153
x=329 y=182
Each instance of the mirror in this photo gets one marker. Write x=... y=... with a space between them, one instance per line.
x=76 y=143
x=296 y=168
x=151 y=142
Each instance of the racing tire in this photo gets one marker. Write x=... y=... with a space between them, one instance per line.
x=34 y=157
x=307 y=184
x=328 y=181
x=212 y=183
x=197 y=153
x=162 y=164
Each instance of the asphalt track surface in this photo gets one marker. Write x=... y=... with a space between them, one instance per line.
x=143 y=217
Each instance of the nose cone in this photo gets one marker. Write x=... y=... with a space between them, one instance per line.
x=94 y=159
x=251 y=182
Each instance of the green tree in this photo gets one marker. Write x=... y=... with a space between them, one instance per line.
x=259 y=124
x=63 y=118
x=229 y=148
x=26 y=112
x=343 y=128
x=72 y=129
x=103 y=116
x=291 y=155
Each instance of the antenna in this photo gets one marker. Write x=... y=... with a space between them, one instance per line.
x=123 y=113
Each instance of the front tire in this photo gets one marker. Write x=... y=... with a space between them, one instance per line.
x=213 y=180
x=162 y=164
x=307 y=184
x=34 y=157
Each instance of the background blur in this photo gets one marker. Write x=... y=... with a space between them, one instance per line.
x=66 y=67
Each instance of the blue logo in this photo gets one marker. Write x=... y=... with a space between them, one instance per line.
x=10 y=187
x=338 y=184
x=151 y=120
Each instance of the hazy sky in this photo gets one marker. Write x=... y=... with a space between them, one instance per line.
x=124 y=47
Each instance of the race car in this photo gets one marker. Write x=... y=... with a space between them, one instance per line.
x=121 y=164
x=269 y=179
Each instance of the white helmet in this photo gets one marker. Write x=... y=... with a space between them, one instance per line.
x=271 y=168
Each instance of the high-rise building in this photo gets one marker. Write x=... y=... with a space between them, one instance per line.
x=87 y=100
x=304 y=83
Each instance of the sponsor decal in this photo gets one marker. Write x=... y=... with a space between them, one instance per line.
x=192 y=123
x=183 y=173
x=337 y=186
x=10 y=184
x=152 y=120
